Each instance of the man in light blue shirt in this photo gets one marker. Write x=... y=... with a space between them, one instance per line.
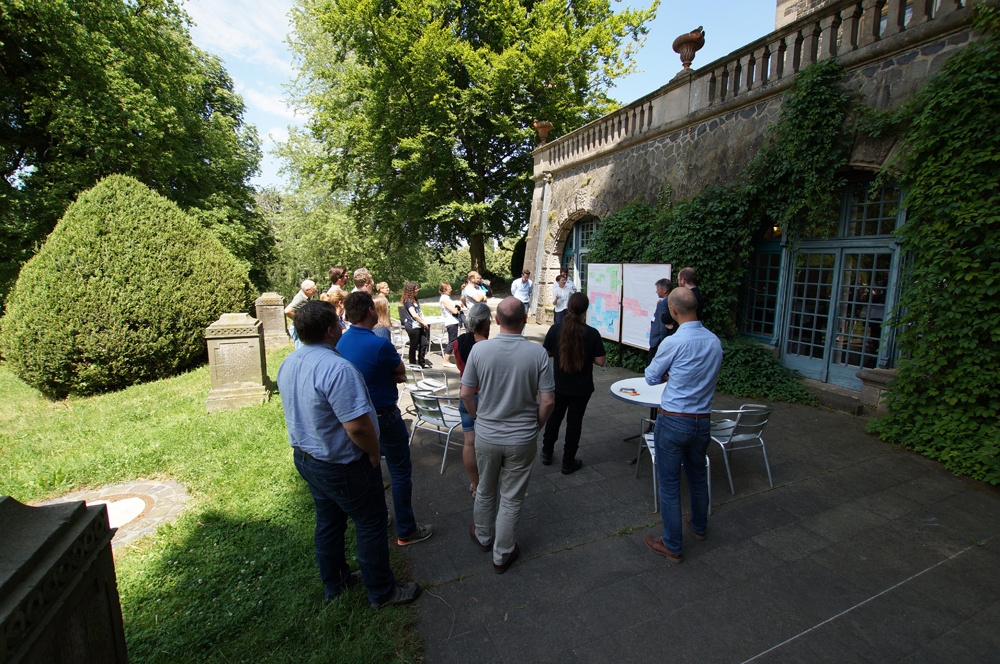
x=333 y=431
x=689 y=361
x=521 y=289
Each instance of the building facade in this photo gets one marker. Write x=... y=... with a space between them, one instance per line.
x=821 y=303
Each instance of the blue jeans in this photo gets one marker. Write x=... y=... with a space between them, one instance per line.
x=394 y=441
x=294 y=334
x=349 y=490
x=681 y=440
x=468 y=424
x=558 y=316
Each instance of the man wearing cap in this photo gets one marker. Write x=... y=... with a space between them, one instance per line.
x=689 y=360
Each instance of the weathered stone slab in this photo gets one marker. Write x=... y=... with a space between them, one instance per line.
x=238 y=363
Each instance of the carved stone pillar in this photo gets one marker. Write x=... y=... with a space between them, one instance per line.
x=237 y=361
x=851 y=19
x=57 y=582
x=776 y=65
x=793 y=48
x=828 y=36
x=895 y=17
x=871 y=19
x=270 y=310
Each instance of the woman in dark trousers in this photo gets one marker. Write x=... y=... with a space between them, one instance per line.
x=418 y=331
x=575 y=348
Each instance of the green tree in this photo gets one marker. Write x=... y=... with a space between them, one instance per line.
x=422 y=109
x=314 y=231
x=89 y=88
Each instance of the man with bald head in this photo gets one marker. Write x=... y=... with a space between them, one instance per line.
x=689 y=361
x=516 y=397
x=306 y=290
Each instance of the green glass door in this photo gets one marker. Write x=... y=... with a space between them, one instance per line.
x=836 y=308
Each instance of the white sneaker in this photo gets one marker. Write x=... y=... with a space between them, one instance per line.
x=449 y=364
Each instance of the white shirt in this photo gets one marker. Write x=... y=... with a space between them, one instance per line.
x=449 y=318
x=561 y=296
x=521 y=289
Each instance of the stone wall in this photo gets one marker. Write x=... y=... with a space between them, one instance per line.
x=611 y=163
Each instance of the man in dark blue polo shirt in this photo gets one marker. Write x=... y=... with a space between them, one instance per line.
x=382 y=369
x=334 y=434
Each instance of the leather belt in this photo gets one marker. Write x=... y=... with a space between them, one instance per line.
x=693 y=416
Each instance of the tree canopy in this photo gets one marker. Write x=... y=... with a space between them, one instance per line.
x=89 y=88
x=422 y=109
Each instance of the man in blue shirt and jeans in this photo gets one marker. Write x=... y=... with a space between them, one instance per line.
x=689 y=360
x=382 y=368
x=333 y=431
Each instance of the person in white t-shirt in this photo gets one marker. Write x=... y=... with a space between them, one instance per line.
x=450 y=310
x=560 y=298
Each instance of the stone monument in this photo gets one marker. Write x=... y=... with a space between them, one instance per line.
x=270 y=310
x=58 y=593
x=237 y=361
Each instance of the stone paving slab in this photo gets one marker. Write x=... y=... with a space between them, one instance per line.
x=860 y=553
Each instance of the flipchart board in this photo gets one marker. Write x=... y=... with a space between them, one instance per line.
x=604 y=290
x=639 y=300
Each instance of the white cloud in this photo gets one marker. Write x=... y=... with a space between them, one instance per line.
x=251 y=32
x=277 y=135
x=267 y=102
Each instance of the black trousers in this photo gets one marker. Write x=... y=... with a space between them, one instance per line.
x=420 y=339
x=573 y=409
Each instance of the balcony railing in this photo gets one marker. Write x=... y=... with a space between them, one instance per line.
x=833 y=31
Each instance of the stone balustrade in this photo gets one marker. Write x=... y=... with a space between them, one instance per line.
x=837 y=30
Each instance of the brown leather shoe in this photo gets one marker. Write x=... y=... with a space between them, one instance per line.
x=697 y=535
x=511 y=557
x=482 y=547
x=655 y=545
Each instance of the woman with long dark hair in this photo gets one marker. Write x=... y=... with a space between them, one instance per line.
x=575 y=348
x=412 y=319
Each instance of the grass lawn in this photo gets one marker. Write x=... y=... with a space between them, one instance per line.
x=234 y=578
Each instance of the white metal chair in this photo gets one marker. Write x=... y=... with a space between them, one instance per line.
x=647 y=442
x=439 y=414
x=440 y=337
x=416 y=382
x=399 y=338
x=740 y=430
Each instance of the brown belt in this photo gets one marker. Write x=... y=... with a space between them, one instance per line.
x=699 y=416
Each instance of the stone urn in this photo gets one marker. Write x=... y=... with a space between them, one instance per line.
x=688 y=44
x=543 y=127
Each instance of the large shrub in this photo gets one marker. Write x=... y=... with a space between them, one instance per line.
x=120 y=293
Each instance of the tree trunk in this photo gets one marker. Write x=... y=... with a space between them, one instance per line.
x=477 y=252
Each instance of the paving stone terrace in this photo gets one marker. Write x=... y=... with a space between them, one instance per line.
x=862 y=552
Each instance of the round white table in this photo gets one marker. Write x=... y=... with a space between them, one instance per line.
x=637 y=392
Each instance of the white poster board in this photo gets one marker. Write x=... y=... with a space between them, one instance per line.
x=639 y=300
x=604 y=290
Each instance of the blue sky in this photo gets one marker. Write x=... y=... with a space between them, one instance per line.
x=250 y=38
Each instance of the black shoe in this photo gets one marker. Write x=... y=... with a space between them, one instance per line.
x=511 y=557
x=573 y=467
x=426 y=364
x=546 y=459
x=403 y=593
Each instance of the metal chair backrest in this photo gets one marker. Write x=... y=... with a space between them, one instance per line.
x=750 y=422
